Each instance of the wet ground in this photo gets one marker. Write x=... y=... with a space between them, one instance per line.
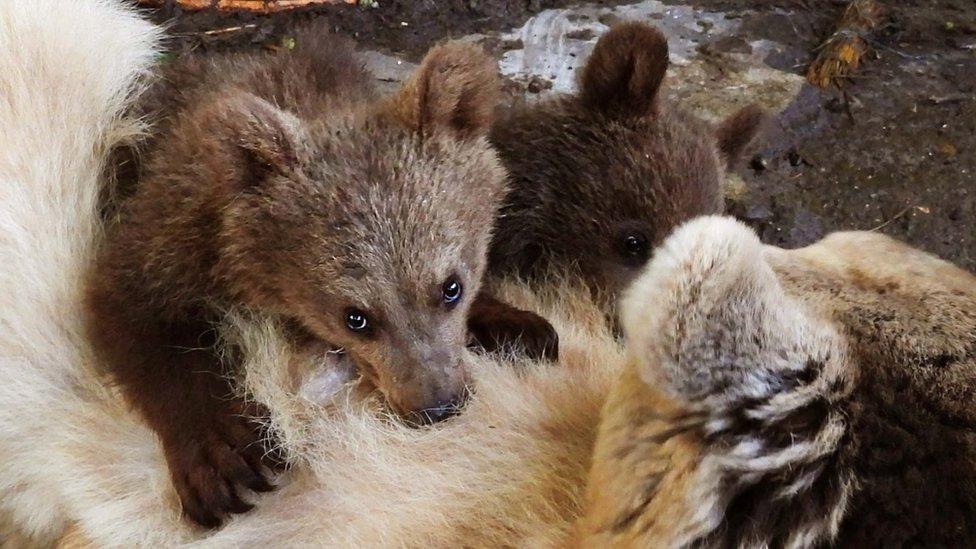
x=894 y=152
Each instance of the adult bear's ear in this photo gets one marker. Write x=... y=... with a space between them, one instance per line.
x=738 y=131
x=624 y=73
x=454 y=90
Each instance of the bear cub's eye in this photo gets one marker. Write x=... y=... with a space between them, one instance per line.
x=634 y=248
x=356 y=320
x=635 y=245
x=451 y=291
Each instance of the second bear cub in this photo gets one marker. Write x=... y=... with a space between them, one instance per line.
x=601 y=176
x=282 y=183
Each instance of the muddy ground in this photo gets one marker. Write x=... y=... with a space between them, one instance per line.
x=894 y=152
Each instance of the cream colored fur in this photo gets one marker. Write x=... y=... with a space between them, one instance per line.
x=67 y=72
x=716 y=319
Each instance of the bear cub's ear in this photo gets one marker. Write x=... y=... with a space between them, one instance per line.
x=624 y=73
x=255 y=136
x=738 y=131
x=455 y=89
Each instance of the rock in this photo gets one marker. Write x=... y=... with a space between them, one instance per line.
x=730 y=74
x=537 y=84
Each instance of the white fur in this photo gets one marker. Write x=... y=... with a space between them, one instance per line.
x=67 y=71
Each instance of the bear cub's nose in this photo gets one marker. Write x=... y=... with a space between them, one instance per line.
x=429 y=416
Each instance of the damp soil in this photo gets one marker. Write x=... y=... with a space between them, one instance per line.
x=406 y=28
x=893 y=151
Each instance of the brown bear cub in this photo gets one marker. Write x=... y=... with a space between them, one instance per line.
x=602 y=176
x=282 y=183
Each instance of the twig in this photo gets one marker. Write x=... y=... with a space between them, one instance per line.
x=217 y=32
x=904 y=211
x=952 y=98
x=847 y=106
x=878 y=45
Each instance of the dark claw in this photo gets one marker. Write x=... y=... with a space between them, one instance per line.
x=194 y=509
x=237 y=505
x=210 y=467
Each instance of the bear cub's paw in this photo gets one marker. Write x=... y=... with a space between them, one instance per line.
x=213 y=455
x=497 y=326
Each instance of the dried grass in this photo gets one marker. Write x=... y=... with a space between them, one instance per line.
x=840 y=55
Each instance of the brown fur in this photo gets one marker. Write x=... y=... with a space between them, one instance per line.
x=498 y=326
x=614 y=160
x=821 y=396
x=280 y=182
x=911 y=322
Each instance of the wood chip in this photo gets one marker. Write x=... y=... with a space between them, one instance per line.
x=254 y=6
